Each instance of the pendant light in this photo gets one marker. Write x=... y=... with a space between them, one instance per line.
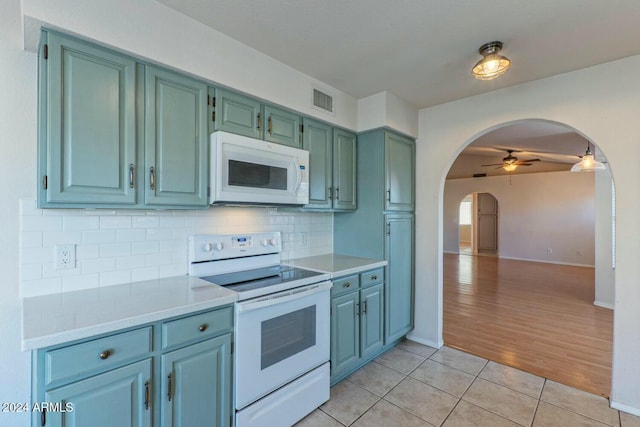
x=588 y=162
x=492 y=65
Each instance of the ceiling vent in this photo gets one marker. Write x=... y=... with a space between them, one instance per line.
x=322 y=100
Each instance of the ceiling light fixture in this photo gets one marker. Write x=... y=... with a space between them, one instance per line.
x=492 y=65
x=588 y=163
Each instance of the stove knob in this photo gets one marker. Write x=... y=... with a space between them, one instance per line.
x=207 y=247
x=217 y=246
x=264 y=242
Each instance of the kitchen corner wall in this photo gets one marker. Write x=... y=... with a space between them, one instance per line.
x=125 y=245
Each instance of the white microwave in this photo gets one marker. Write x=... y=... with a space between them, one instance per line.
x=249 y=171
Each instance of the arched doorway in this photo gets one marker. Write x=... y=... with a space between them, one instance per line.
x=529 y=240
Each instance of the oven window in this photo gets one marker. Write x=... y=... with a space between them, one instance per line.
x=287 y=335
x=255 y=175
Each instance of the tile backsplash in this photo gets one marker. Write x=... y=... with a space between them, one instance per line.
x=125 y=245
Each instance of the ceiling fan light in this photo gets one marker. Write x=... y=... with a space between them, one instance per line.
x=492 y=65
x=510 y=167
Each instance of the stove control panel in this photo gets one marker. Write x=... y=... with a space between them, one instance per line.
x=211 y=247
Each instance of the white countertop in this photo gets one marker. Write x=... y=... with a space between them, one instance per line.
x=54 y=319
x=337 y=265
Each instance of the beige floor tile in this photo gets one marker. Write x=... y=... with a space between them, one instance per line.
x=420 y=399
x=417 y=348
x=515 y=379
x=465 y=415
x=376 y=378
x=385 y=414
x=460 y=360
x=579 y=401
x=548 y=415
x=501 y=400
x=400 y=360
x=628 y=420
x=318 y=419
x=348 y=402
x=443 y=377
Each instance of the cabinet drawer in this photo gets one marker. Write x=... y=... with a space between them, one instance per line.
x=345 y=284
x=370 y=277
x=97 y=354
x=199 y=326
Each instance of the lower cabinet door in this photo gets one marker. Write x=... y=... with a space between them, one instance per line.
x=372 y=309
x=196 y=385
x=121 y=397
x=345 y=332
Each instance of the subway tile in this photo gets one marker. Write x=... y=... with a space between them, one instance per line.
x=109 y=278
x=131 y=235
x=171 y=270
x=49 y=270
x=101 y=236
x=115 y=222
x=41 y=223
x=160 y=258
x=144 y=273
x=36 y=255
x=100 y=212
x=79 y=222
x=172 y=221
x=114 y=249
x=130 y=262
x=145 y=221
x=159 y=234
x=51 y=238
x=30 y=272
x=30 y=239
x=145 y=247
x=87 y=252
x=99 y=265
x=28 y=208
x=30 y=288
x=80 y=282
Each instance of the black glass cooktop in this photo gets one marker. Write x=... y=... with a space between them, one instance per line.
x=250 y=280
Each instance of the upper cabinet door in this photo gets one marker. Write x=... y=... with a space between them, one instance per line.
x=282 y=127
x=87 y=125
x=400 y=172
x=344 y=170
x=317 y=138
x=237 y=114
x=176 y=149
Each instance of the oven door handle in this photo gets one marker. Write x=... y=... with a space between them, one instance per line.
x=282 y=297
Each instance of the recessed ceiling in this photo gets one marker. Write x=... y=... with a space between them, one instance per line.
x=423 y=50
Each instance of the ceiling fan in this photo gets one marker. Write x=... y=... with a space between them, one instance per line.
x=511 y=162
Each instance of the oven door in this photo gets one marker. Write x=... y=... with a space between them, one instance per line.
x=249 y=171
x=280 y=337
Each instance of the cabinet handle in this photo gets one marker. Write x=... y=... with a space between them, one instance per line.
x=146 y=395
x=388 y=228
x=364 y=307
x=169 y=393
x=374 y=277
x=330 y=193
x=131 y=176
x=203 y=327
x=152 y=177
x=346 y=285
x=269 y=125
x=388 y=195
x=357 y=309
x=43 y=417
x=105 y=354
x=259 y=121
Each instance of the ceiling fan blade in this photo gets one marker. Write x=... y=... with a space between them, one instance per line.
x=494 y=164
x=522 y=162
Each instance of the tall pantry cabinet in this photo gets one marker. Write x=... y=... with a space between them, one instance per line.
x=383 y=225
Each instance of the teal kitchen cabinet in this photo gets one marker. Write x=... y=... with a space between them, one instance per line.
x=87 y=124
x=399 y=244
x=114 y=132
x=399 y=172
x=283 y=127
x=120 y=397
x=382 y=226
x=197 y=386
x=235 y=113
x=332 y=167
x=176 y=140
x=357 y=330
x=175 y=372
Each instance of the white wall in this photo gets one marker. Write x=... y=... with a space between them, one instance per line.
x=536 y=211
x=602 y=103
x=150 y=30
x=605 y=274
x=386 y=109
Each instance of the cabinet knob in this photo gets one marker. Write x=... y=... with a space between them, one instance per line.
x=346 y=285
x=374 y=277
x=105 y=354
x=203 y=327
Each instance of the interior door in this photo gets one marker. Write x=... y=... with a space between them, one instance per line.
x=487 y=225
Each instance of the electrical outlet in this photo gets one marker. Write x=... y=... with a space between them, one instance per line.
x=549 y=250
x=65 y=257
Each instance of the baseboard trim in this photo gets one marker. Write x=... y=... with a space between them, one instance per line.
x=434 y=344
x=545 y=261
x=603 y=304
x=624 y=408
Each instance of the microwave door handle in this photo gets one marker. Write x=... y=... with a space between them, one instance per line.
x=243 y=307
x=298 y=174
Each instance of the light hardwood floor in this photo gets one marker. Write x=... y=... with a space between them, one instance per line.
x=536 y=317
